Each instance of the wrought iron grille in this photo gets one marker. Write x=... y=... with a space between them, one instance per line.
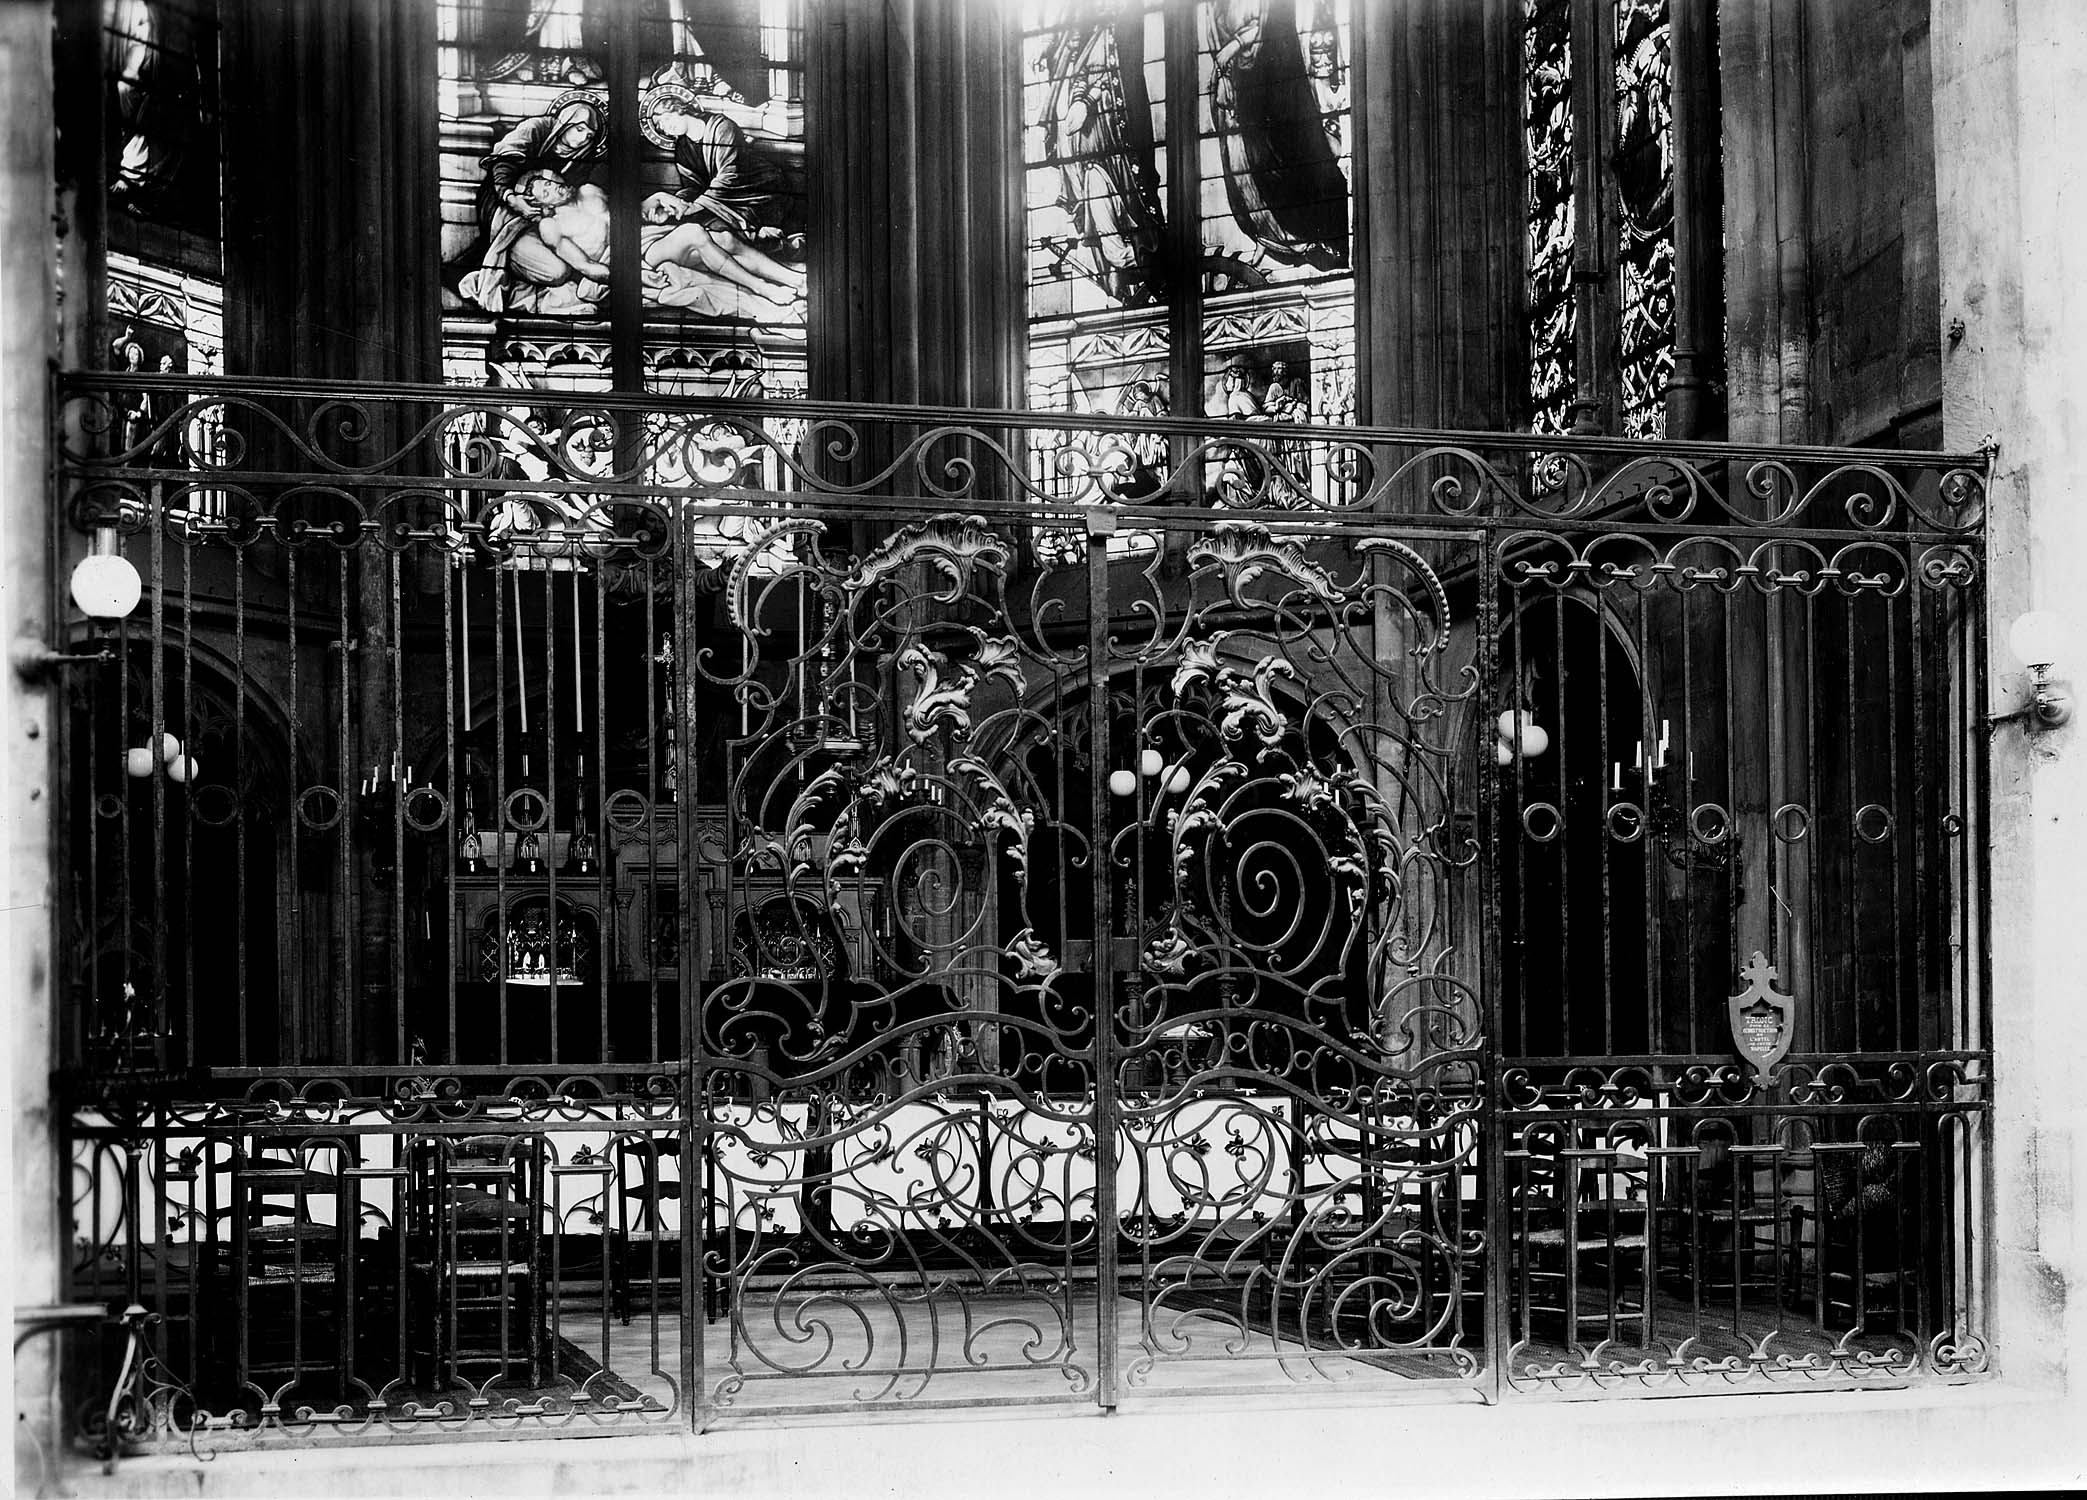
x=609 y=912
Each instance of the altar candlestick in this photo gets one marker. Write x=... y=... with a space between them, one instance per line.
x=521 y=656
x=464 y=598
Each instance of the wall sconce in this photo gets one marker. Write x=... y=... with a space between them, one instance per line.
x=2038 y=639
x=105 y=585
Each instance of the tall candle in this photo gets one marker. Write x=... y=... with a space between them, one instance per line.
x=464 y=597
x=521 y=680
x=579 y=722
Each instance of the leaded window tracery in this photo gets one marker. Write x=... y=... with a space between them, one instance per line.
x=1187 y=166
x=533 y=194
x=1599 y=226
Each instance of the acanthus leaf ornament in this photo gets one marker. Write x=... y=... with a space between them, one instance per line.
x=1256 y=704
x=1032 y=959
x=956 y=545
x=1245 y=552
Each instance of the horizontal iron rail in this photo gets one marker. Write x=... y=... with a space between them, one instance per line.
x=81 y=383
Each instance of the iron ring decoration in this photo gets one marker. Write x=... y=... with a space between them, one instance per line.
x=310 y=799
x=430 y=824
x=627 y=810
x=1626 y=822
x=1557 y=824
x=1885 y=828
x=1791 y=823
x=513 y=816
x=216 y=804
x=1710 y=822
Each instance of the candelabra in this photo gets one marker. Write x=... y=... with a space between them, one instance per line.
x=380 y=806
x=1669 y=821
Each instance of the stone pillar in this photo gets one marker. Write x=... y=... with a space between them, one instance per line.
x=1767 y=240
x=2010 y=110
x=28 y=804
x=914 y=163
x=332 y=212
x=1693 y=409
x=332 y=230
x=1440 y=340
x=1440 y=336
x=917 y=292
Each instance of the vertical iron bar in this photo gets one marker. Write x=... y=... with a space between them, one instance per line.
x=241 y=791
x=1651 y=675
x=156 y=518
x=497 y=926
x=1489 y=784
x=551 y=860
x=455 y=639
x=1851 y=720
x=1562 y=842
x=686 y=863
x=295 y=772
x=1107 y=1243
x=695 y=1127
x=1814 y=829
x=1601 y=823
x=1689 y=945
x=346 y=965
x=395 y=649
x=188 y=796
x=1908 y=830
x=609 y=937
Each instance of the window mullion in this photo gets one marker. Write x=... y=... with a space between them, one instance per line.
x=626 y=185
x=1184 y=214
x=1596 y=292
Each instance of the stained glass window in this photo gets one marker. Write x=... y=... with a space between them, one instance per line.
x=1548 y=139
x=1278 y=293
x=531 y=194
x=163 y=164
x=1261 y=264
x=1644 y=170
x=538 y=214
x=723 y=204
x=1094 y=137
x=160 y=59
x=1632 y=302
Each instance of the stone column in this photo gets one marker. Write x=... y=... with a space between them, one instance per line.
x=914 y=163
x=1440 y=340
x=332 y=228
x=1767 y=285
x=917 y=289
x=28 y=804
x=1693 y=409
x=2010 y=111
x=1440 y=336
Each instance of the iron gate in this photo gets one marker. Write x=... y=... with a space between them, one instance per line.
x=1139 y=1046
